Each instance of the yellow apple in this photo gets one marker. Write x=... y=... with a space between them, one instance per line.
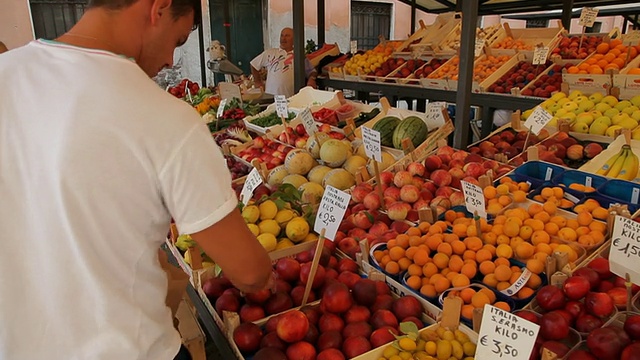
x=636 y=115
x=570 y=106
x=636 y=100
x=561 y=112
x=563 y=101
x=611 y=112
x=586 y=118
x=598 y=127
x=630 y=110
x=610 y=100
x=596 y=97
x=596 y=114
x=586 y=105
x=557 y=96
x=628 y=123
x=602 y=107
x=525 y=115
x=574 y=94
x=623 y=104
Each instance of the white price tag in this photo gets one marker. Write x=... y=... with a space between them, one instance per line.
x=308 y=122
x=331 y=211
x=371 y=140
x=548 y=174
x=229 y=91
x=354 y=46
x=434 y=112
x=474 y=198
x=588 y=181
x=221 y=107
x=281 y=106
x=631 y=38
x=540 y=55
x=537 y=120
x=253 y=181
x=479 y=47
x=588 y=16
x=625 y=248
x=505 y=335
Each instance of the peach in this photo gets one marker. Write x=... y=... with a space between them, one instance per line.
x=446 y=159
x=360 y=191
x=416 y=168
x=471 y=180
x=459 y=155
x=474 y=170
x=456 y=164
x=431 y=187
x=490 y=165
x=363 y=220
x=457 y=198
x=402 y=178
x=592 y=150
x=445 y=150
x=490 y=153
x=485 y=145
x=388 y=200
x=409 y=193
x=444 y=191
x=372 y=201
x=398 y=210
x=425 y=194
x=574 y=152
x=441 y=178
x=441 y=201
x=432 y=162
x=471 y=158
x=378 y=228
x=420 y=204
x=475 y=150
x=392 y=192
x=399 y=226
x=417 y=182
x=413 y=216
x=386 y=177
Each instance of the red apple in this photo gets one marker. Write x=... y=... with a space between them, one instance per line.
x=576 y=287
x=247 y=337
x=301 y=350
x=550 y=298
x=599 y=304
x=554 y=326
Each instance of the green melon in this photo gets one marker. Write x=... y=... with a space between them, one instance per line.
x=386 y=127
x=413 y=128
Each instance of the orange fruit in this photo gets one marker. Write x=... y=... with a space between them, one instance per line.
x=429 y=269
x=480 y=299
x=469 y=269
x=467 y=311
x=503 y=273
x=460 y=280
x=490 y=280
x=487 y=267
x=466 y=295
x=550 y=207
x=455 y=263
x=414 y=282
x=504 y=251
x=414 y=270
x=535 y=266
x=392 y=267
x=445 y=248
x=403 y=240
x=441 y=260
x=442 y=284
x=567 y=234
x=602 y=48
x=424 y=227
x=546 y=193
x=600 y=212
x=489 y=293
x=525 y=293
x=534 y=281
x=490 y=192
x=404 y=263
x=396 y=253
x=473 y=243
x=525 y=250
x=585 y=218
x=428 y=290
x=483 y=255
x=413 y=231
x=410 y=252
x=421 y=257
x=502 y=305
x=540 y=237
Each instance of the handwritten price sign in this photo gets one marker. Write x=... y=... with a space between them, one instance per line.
x=220 y=112
x=331 y=211
x=253 y=181
x=474 y=198
x=625 y=248
x=588 y=16
x=229 y=91
x=631 y=38
x=434 y=112
x=504 y=335
x=354 y=46
x=479 y=47
x=308 y=121
x=537 y=120
x=281 y=106
x=540 y=55
x=371 y=140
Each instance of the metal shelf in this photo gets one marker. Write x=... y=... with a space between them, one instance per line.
x=488 y=102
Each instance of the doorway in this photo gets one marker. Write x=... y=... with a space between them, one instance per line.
x=245 y=29
x=369 y=20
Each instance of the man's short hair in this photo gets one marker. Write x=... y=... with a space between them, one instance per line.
x=179 y=8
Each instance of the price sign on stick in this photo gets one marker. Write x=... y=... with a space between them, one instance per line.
x=625 y=248
x=540 y=55
x=354 y=46
x=631 y=38
x=474 y=198
x=253 y=181
x=229 y=91
x=479 y=47
x=281 y=106
x=371 y=140
x=331 y=211
x=220 y=112
x=588 y=16
x=537 y=120
x=434 y=112
x=505 y=336
x=308 y=122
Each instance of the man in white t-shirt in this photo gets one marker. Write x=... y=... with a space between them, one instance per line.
x=279 y=65
x=95 y=159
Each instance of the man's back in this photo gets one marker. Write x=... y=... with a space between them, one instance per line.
x=89 y=152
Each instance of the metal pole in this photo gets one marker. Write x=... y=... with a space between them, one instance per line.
x=625 y=24
x=413 y=16
x=567 y=10
x=227 y=29
x=465 y=76
x=298 y=45
x=321 y=22
x=203 y=61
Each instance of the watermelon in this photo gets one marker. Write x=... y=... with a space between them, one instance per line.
x=386 y=126
x=411 y=127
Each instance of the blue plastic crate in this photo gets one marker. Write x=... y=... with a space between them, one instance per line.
x=624 y=191
x=578 y=177
x=574 y=197
x=537 y=172
x=607 y=201
x=477 y=286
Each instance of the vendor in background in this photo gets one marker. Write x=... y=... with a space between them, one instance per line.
x=279 y=65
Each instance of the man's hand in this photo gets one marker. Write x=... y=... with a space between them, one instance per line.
x=312 y=82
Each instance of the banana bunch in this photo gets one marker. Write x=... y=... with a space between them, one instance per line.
x=623 y=165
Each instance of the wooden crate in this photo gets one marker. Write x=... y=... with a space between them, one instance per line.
x=545 y=36
x=190 y=331
x=627 y=86
x=546 y=71
x=416 y=36
x=429 y=43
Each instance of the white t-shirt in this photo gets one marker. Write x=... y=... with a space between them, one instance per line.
x=279 y=65
x=94 y=159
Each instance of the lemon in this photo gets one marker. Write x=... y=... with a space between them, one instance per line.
x=269 y=227
x=284 y=216
x=268 y=210
x=268 y=241
x=310 y=237
x=284 y=243
x=297 y=229
x=430 y=348
x=407 y=344
x=255 y=230
x=251 y=214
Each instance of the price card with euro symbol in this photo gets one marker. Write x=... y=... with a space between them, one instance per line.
x=371 y=140
x=331 y=211
x=505 y=336
x=537 y=120
x=474 y=198
x=625 y=248
x=281 y=106
x=251 y=183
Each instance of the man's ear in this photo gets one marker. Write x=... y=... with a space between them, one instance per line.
x=159 y=8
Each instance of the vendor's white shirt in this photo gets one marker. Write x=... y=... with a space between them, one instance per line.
x=94 y=159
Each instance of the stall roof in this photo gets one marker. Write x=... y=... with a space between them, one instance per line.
x=624 y=10
x=500 y=7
